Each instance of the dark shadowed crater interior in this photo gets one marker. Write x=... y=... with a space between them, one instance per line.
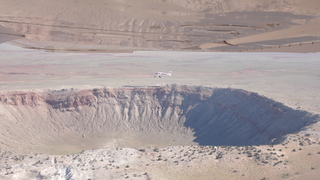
x=73 y=120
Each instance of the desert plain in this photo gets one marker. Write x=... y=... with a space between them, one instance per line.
x=78 y=99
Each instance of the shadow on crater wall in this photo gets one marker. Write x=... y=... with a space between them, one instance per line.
x=239 y=118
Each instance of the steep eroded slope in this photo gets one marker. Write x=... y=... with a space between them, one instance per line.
x=69 y=121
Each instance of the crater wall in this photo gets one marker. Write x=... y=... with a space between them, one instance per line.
x=71 y=121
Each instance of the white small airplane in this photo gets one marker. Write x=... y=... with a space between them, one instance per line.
x=159 y=74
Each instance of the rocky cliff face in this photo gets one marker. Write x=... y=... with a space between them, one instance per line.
x=135 y=117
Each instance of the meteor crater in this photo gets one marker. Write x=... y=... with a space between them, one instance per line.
x=69 y=121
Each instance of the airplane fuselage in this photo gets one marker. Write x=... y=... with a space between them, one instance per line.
x=159 y=74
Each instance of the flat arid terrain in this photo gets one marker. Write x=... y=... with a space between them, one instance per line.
x=162 y=25
x=79 y=99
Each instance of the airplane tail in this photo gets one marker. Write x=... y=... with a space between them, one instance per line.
x=169 y=73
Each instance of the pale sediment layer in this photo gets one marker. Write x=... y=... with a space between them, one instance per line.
x=123 y=26
x=68 y=121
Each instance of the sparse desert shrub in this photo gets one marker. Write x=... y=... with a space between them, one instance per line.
x=285 y=175
x=219 y=155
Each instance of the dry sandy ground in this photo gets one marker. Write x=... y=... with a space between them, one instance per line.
x=156 y=25
x=297 y=159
